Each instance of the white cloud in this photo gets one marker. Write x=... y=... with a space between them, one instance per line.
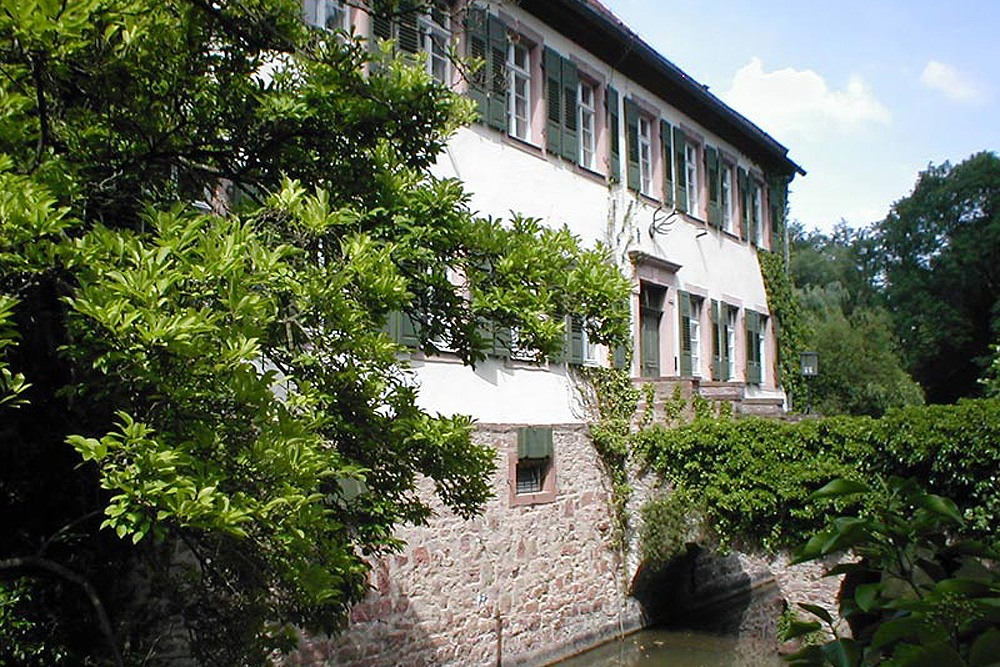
x=957 y=86
x=789 y=101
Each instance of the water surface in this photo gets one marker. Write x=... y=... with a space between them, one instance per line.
x=678 y=648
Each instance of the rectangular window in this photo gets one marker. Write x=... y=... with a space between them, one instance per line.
x=531 y=472
x=586 y=124
x=689 y=308
x=326 y=14
x=730 y=336
x=726 y=192
x=435 y=35
x=755 y=324
x=755 y=213
x=691 y=178
x=530 y=475
x=694 y=323
x=518 y=91
x=645 y=156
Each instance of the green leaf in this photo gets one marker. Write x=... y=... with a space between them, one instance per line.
x=896 y=629
x=942 y=506
x=839 y=487
x=818 y=611
x=799 y=628
x=985 y=649
x=866 y=595
x=842 y=653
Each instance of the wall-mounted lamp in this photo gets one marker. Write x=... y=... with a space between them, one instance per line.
x=810 y=364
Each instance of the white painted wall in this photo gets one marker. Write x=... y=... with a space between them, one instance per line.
x=503 y=175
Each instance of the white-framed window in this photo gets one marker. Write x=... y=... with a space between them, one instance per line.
x=691 y=178
x=518 y=90
x=645 y=155
x=435 y=36
x=326 y=14
x=726 y=197
x=730 y=342
x=756 y=210
x=587 y=126
x=694 y=326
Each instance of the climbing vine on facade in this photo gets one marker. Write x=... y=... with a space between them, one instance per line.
x=792 y=327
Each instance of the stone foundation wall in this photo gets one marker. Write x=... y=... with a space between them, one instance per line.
x=533 y=582
x=528 y=583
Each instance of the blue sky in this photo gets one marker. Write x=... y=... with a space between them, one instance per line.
x=864 y=94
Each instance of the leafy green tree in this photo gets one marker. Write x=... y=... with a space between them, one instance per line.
x=845 y=259
x=942 y=274
x=205 y=429
x=918 y=594
x=860 y=368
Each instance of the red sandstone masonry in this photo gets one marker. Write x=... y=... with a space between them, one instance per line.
x=543 y=569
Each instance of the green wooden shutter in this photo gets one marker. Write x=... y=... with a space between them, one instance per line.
x=684 y=309
x=570 y=135
x=497 y=63
x=716 y=342
x=476 y=37
x=632 y=143
x=381 y=21
x=754 y=218
x=714 y=209
x=575 y=328
x=680 y=170
x=534 y=442
x=611 y=102
x=742 y=183
x=753 y=346
x=408 y=333
x=724 y=342
x=649 y=343
x=503 y=341
x=619 y=357
x=554 y=107
x=667 y=150
x=409 y=32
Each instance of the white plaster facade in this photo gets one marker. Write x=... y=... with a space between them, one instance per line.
x=505 y=175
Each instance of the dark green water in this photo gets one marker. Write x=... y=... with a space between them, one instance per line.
x=678 y=648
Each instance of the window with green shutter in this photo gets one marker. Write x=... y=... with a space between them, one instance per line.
x=650 y=316
x=614 y=157
x=562 y=81
x=486 y=37
x=716 y=341
x=714 y=207
x=534 y=461
x=632 y=144
x=754 y=343
x=680 y=171
x=667 y=155
x=552 y=62
x=684 y=327
x=743 y=185
x=577 y=341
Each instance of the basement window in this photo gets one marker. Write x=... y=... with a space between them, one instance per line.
x=531 y=468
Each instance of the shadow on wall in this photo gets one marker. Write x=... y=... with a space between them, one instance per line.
x=705 y=591
x=384 y=629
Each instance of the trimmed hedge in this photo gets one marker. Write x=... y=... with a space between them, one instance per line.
x=752 y=477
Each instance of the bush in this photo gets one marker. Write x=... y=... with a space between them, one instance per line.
x=754 y=477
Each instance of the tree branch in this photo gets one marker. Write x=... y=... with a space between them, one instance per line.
x=39 y=563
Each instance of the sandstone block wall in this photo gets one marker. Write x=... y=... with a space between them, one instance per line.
x=534 y=582
x=531 y=584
